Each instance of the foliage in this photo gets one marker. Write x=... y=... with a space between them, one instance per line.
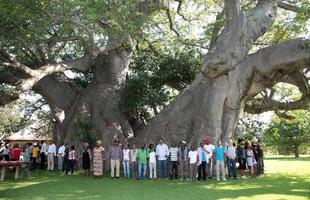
x=85 y=132
x=250 y=127
x=153 y=80
x=10 y=119
x=288 y=136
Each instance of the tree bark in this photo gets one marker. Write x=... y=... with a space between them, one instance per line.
x=212 y=106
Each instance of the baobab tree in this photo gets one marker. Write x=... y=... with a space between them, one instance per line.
x=98 y=40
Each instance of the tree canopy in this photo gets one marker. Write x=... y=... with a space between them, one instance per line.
x=171 y=45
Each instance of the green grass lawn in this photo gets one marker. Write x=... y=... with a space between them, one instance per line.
x=286 y=178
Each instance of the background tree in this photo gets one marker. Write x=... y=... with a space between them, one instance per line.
x=289 y=136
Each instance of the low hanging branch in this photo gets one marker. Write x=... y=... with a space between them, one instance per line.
x=274 y=105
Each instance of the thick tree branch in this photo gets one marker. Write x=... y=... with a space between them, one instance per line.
x=7 y=98
x=171 y=22
x=265 y=105
x=267 y=66
x=287 y=6
x=242 y=30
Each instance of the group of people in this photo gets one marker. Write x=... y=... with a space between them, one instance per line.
x=183 y=161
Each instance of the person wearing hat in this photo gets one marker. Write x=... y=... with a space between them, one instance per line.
x=98 y=158
x=183 y=154
x=86 y=158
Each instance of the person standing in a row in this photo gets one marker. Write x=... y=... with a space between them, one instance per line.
x=115 y=156
x=86 y=158
x=98 y=158
x=162 y=153
x=183 y=153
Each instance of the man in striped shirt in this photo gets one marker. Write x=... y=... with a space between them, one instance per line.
x=174 y=159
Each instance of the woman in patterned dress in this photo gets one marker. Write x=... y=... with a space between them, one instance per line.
x=98 y=157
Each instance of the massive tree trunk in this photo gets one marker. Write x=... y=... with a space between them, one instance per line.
x=211 y=107
x=91 y=113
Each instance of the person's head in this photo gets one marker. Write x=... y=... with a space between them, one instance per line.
x=241 y=142
x=208 y=140
x=134 y=146
x=72 y=147
x=248 y=145
x=42 y=141
x=151 y=146
x=86 y=145
x=201 y=144
x=183 y=143
x=67 y=145
x=193 y=147
x=161 y=140
x=230 y=142
x=16 y=145
x=173 y=144
x=125 y=146
x=98 y=143
x=142 y=146
x=219 y=143
x=115 y=143
x=25 y=147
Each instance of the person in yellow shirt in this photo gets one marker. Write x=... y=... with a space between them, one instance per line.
x=35 y=155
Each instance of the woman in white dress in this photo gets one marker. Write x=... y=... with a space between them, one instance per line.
x=251 y=162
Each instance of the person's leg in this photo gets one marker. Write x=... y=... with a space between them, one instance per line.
x=217 y=168
x=117 y=168
x=191 y=171
x=161 y=169
x=144 y=170
x=176 y=170
x=154 y=168
x=233 y=168
x=204 y=164
x=164 y=168
x=48 y=162
x=113 y=164
x=199 y=172
x=223 y=170
x=52 y=162
x=182 y=169
x=124 y=168
x=209 y=168
x=139 y=170
x=151 y=170
x=128 y=169
x=229 y=167
x=72 y=166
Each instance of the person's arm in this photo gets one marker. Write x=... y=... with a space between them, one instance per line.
x=129 y=156
x=89 y=153
x=167 y=151
x=156 y=151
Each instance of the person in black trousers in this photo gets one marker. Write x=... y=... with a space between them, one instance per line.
x=202 y=155
x=65 y=160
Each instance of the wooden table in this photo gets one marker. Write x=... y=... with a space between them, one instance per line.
x=5 y=164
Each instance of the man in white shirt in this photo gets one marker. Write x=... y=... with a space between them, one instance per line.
x=162 y=152
x=51 y=152
x=61 y=153
x=231 y=159
x=209 y=148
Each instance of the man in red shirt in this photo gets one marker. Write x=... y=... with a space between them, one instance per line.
x=16 y=151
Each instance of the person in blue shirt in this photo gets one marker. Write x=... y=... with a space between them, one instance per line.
x=219 y=154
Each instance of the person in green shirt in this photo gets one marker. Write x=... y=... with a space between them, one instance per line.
x=142 y=157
